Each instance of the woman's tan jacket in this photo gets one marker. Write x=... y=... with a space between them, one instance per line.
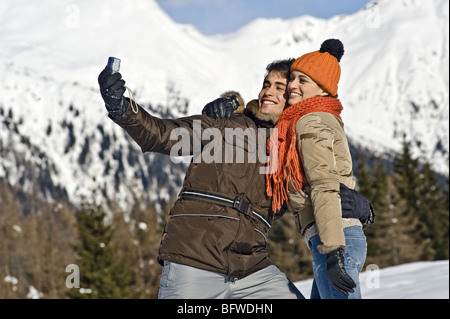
x=325 y=157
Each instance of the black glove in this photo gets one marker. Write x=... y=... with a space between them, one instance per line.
x=112 y=88
x=221 y=107
x=337 y=275
x=354 y=205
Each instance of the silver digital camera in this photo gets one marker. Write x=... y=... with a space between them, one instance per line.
x=114 y=64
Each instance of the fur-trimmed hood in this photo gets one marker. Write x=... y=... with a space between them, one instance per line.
x=251 y=110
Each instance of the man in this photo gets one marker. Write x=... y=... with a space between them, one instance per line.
x=215 y=241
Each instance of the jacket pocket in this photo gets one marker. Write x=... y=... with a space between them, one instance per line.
x=248 y=238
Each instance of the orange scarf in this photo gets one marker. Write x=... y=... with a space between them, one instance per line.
x=286 y=168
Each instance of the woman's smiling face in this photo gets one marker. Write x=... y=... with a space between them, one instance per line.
x=302 y=87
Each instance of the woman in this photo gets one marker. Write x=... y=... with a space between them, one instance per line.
x=313 y=159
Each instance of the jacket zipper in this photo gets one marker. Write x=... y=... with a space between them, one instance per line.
x=206 y=215
x=265 y=238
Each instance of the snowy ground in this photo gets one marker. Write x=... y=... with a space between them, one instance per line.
x=419 y=280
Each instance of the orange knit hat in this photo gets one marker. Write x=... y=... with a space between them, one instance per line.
x=323 y=66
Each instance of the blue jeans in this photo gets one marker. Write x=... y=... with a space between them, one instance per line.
x=355 y=256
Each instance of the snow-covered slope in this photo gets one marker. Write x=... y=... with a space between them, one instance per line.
x=418 y=280
x=54 y=128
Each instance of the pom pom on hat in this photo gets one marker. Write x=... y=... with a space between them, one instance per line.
x=334 y=47
x=323 y=65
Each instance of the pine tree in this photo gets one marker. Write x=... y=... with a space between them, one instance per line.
x=408 y=183
x=364 y=176
x=102 y=274
x=406 y=168
x=392 y=239
x=402 y=232
x=433 y=214
x=373 y=184
x=419 y=186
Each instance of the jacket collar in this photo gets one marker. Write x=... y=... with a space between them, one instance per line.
x=252 y=110
x=262 y=120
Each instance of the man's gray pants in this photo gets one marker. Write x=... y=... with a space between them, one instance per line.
x=185 y=282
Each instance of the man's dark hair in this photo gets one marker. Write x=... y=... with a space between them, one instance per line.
x=281 y=66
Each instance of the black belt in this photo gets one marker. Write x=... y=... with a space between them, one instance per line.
x=240 y=204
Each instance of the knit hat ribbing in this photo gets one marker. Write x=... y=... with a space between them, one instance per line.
x=323 y=65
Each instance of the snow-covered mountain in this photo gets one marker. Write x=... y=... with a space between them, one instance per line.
x=54 y=131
